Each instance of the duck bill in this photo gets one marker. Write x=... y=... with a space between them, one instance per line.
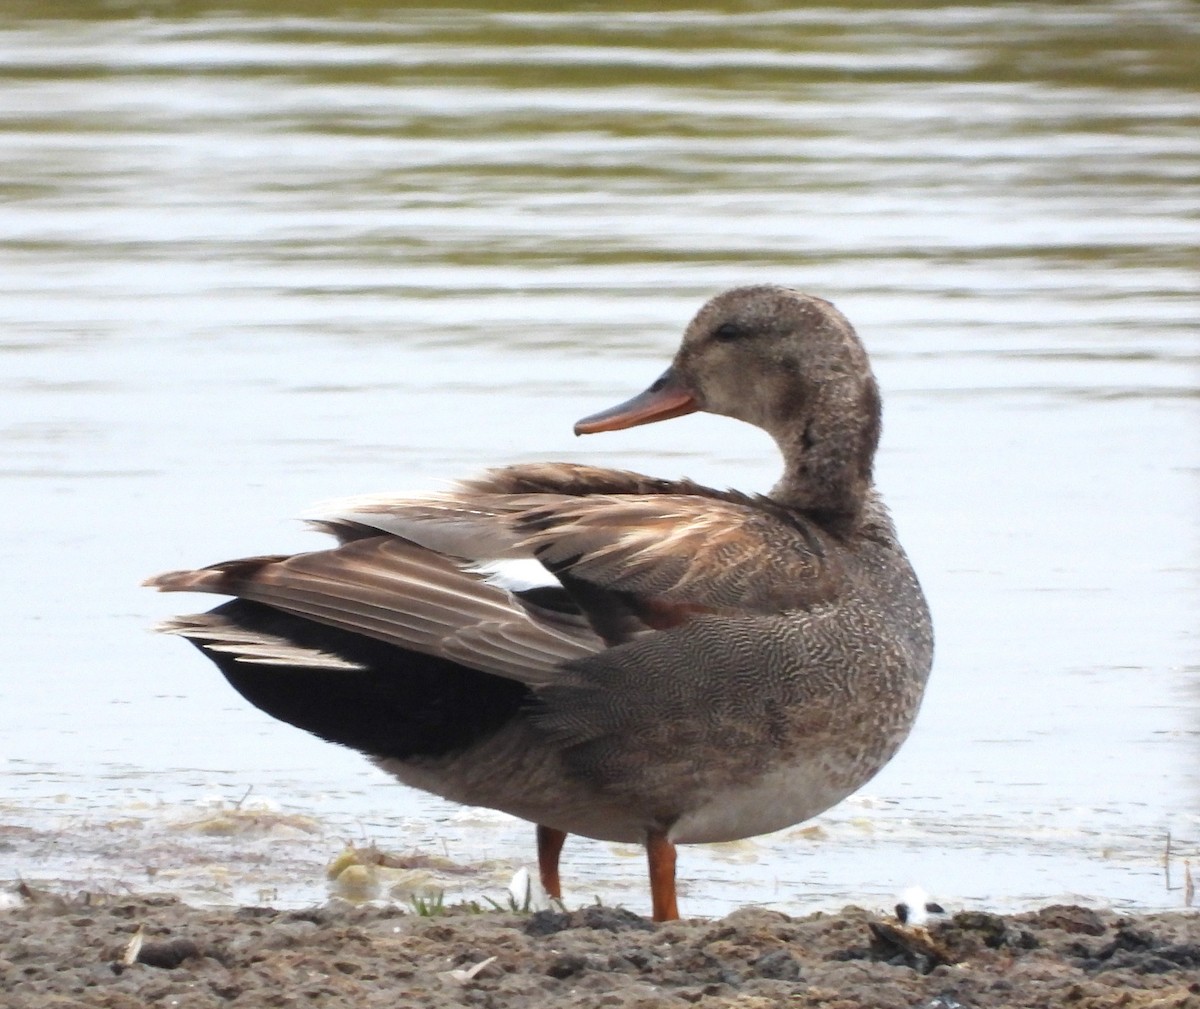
x=668 y=397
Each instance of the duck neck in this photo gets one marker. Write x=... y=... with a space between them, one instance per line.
x=828 y=454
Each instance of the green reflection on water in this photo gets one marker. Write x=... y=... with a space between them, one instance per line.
x=760 y=135
x=1127 y=45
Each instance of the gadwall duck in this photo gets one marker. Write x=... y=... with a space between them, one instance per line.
x=702 y=665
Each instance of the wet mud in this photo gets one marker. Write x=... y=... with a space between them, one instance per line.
x=126 y=951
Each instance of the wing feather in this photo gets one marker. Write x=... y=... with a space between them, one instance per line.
x=399 y=593
x=672 y=542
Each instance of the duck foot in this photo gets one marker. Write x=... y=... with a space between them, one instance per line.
x=550 y=842
x=660 y=853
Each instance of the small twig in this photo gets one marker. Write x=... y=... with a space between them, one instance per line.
x=133 y=947
x=1167 y=862
x=465 y=976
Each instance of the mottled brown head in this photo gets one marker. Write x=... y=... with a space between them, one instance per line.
x=788 y=363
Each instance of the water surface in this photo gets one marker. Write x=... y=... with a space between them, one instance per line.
x=252 y=261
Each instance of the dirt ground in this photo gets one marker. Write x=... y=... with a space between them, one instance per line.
x=128 y=951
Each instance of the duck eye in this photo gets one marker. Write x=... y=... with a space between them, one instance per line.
x=728 y=331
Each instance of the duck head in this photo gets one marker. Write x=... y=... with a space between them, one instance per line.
x=788 y=363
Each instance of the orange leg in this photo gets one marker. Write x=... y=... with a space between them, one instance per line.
x=550 y=843
x=661 y=855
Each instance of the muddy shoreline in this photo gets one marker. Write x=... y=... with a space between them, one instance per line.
x=126 y=951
